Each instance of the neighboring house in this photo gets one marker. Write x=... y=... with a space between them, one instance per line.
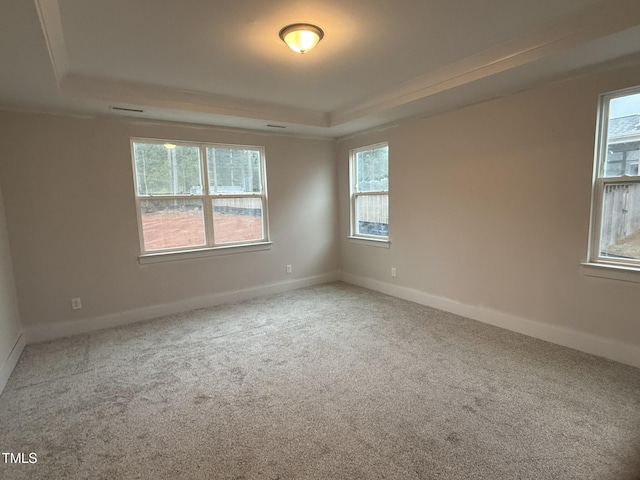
x=623 y=145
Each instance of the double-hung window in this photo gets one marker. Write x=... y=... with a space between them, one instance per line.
x=198 y=196
x=615 y=223
x=369 y=174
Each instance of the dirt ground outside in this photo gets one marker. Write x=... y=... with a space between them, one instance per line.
x=176 y=229
x=628 y=247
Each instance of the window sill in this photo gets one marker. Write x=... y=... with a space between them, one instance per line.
x=613 y=272
x=372 y=242
x=147 y=258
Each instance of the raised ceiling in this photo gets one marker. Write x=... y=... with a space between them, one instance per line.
x=222 y=63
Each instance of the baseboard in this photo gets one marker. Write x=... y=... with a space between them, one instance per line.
x=601 y=346
x=45 y=332
x=11 y=361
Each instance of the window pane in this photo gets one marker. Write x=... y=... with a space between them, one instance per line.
x=624 y=121
x=621 y=158
x=631 y=161
x=162 y=170
x=613 y=169
x=620 y=233
x=172 y=223
x=372 y=215
x=372 y=168
x=237 y=220
x=233 y=170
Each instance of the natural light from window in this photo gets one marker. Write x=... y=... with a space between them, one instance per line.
x=370 y=192
x=616 y=233
x=179 y=211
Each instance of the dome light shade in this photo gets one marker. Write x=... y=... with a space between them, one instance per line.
x=301 y=37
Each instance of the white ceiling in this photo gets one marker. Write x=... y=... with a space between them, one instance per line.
x=222 y=63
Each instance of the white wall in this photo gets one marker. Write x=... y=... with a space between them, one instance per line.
x=69 y=198
x=10 y=328
x=489 y=217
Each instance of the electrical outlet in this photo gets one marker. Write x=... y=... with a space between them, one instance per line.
x=76 y=303
x=289 y=269
x=393 y=271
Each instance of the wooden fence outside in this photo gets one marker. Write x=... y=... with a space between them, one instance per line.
x=620 y=212
x=373 y=208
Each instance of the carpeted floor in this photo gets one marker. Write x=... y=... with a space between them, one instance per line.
x=328 y=382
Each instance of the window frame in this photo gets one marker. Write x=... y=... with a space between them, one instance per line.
x=354 y=194
x=207 y=198
x=600 y=183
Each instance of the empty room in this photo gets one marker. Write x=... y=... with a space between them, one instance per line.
x=320 y=239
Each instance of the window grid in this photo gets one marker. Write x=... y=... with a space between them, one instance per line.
x=370 y=203
x=202 y=195
x=615 y=221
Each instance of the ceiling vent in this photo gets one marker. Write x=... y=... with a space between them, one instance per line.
x=125 y=109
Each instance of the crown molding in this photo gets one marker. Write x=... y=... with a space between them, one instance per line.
x=596 y=22
x=51 y=24
x=132 y=93
x=118 y=91
x=603 y=19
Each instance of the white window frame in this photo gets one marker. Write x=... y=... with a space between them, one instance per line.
x=599 y=184
x=354 y=194
x=207 y=197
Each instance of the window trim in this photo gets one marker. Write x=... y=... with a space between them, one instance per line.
x=193 y=254
x=353 y=194
x=210 y=247
x=599 y=183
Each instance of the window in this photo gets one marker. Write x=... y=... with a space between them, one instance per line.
x=197 y=196
x=615 y=235
x=369 y=172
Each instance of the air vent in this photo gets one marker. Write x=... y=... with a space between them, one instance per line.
x=125 y=109
x=275 y=126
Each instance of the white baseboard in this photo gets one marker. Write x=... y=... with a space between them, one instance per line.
x=11 y=361
x=626 y=353
x=44 y=332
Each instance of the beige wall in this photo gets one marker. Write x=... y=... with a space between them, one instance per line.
x=72 y=221
x=489 y=208
x=10 y=327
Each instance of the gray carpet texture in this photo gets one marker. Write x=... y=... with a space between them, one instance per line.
x=328 y=382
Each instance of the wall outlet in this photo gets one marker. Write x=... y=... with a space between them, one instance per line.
x=289 y=269
x=393 y=271
x=76 y=303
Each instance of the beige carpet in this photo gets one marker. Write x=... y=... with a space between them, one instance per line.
x=329 y=382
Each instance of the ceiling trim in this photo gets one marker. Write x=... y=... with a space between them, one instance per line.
x=51 y=24
x=132 y=93
x=591 y=24
x=601 y=20
x=118 y=91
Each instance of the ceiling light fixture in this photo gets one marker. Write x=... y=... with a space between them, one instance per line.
x=301 y=37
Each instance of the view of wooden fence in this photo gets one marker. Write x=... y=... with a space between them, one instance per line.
x=373 y=208
x=621 y=212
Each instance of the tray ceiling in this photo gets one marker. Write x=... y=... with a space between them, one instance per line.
x=222 y=63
